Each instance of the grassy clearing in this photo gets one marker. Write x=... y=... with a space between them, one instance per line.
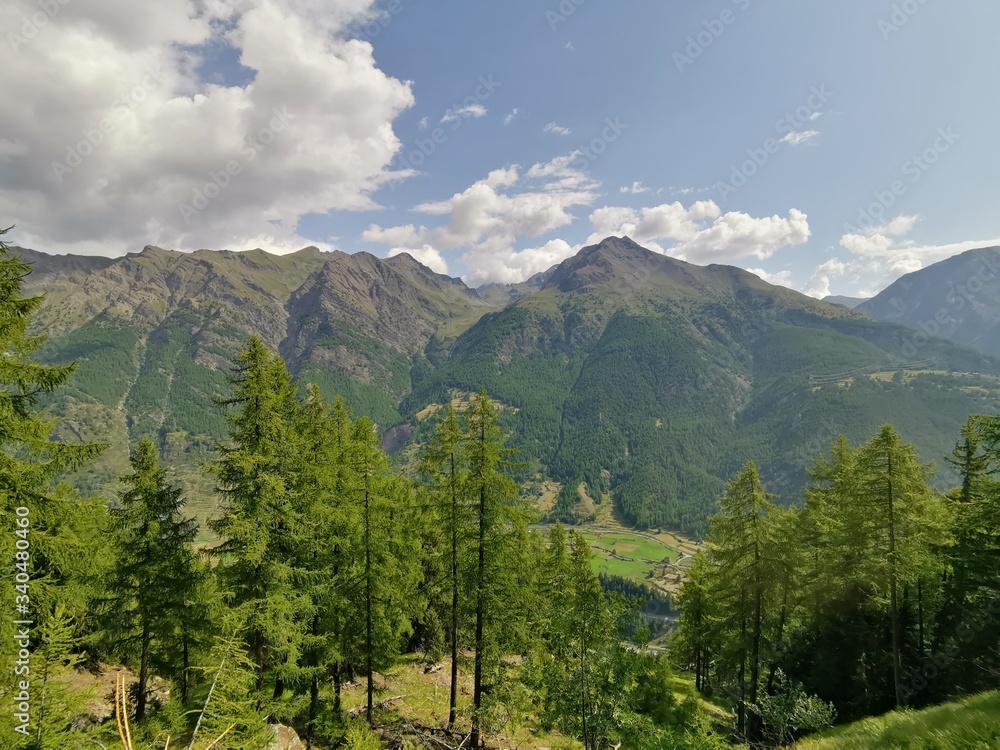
x=968 y=724
x=424 y=702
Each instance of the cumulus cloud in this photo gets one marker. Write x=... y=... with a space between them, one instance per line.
x=701 y=233
x=879 y=255
x=510 y=117
x=105 y=155
x=426 y=255
x=556 y=129
x=782 y=278
x=486 y=220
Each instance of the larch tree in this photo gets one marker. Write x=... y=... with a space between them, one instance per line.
x=901 y=523
x=445 y=465
x=389 y=553
x=497 y=513
x=261 y=525
x=741 y=544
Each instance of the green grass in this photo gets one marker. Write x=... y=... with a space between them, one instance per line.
x=629 y=545
x=968 y=724
x=633 y=569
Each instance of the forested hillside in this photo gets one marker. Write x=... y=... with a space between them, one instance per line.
x=645 y=377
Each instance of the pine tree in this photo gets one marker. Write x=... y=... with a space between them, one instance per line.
x=156 y=575
x=262 y=523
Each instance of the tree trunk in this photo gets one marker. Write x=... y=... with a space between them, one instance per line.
x=755 y=648
x=453 y=699
x=893 y=598
x=920 y=614
x=258 y=650
x=741 y=718
x=185 y=674
x=336 y=688
x=477 y=692
x=583 y=686
x=140 y=701
x=313 y=707
x=368 y=609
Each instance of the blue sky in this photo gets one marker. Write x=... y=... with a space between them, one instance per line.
x=828 y=146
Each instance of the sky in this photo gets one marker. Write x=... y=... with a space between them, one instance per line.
x=829 y=147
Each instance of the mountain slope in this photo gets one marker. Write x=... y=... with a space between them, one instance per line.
x=957 y=299
x=650 y=379
x=653 y=380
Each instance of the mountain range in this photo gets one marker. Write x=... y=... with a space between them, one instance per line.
x=627 y=376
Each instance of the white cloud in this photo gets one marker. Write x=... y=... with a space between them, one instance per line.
x=426 y=255
x=880 y=255
x=510 y=117
x=636 y=188
x=557 y=129
x=472 y=110
x=782 y=278
x=800 y=137
x=486 y=220
x=701 y=233
x=166 y=132
x=425 y=122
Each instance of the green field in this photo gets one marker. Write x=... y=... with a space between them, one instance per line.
x=968 y=724
x=637 y=548
x=630 y=545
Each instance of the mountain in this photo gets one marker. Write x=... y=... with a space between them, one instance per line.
x=836 y=299
x=957 y=299
x=626 y=375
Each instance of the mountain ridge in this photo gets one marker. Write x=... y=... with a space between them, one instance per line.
x=649 y=378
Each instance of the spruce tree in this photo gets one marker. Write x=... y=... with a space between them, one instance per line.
x=156 y=575
x=51 y=537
